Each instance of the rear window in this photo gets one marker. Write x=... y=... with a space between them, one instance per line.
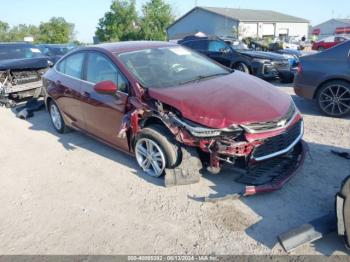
x=19 y=52
x=197 y=44
x=72 y=65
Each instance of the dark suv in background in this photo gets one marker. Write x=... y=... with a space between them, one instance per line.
x=236 y=55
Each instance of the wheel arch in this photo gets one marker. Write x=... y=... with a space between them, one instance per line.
x=147 y=122
x=48 y=100
x=233 y=64
x=328 y=81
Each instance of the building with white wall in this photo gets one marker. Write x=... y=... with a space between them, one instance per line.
x=232 y=22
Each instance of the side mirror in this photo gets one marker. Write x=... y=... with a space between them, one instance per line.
x=106 y=87
x=50 y=64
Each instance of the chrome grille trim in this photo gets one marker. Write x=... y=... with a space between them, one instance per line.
x=281 y=152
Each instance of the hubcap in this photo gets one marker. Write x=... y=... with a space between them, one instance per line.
x=55 y=116
x=335 y=100
x=150 y=157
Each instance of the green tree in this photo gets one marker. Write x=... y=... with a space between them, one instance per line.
x=56 y=31
x=157 y=16
x=120 y=23
x=17 y=33
x=4 y=28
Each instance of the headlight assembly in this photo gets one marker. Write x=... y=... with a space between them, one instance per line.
x=199 y=131
x=261 y=61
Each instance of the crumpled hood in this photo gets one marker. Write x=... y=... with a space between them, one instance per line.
x=220 y=102
x=263 y=55
x=24 y=64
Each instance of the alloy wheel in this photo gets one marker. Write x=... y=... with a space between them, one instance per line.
x=150 y=157
x=242 y=67
x=335 y=100
x=55 y=116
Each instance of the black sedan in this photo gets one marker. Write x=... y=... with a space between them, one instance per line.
x=266 y=65
x=325 y=77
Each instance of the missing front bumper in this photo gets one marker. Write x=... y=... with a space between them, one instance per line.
x=272 y=174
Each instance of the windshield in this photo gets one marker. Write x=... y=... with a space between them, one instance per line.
x=18 y=52
x=169 y=66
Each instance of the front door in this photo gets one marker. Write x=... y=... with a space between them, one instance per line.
x=103 y=113
x=220 y=52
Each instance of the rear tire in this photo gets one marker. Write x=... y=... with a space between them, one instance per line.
x=156 y=149
x=56 y=118
x=333 y=98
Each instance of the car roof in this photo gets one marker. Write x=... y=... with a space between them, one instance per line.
x=128 y=46
x=56 y=45
x=194 y=37
x=15 y=44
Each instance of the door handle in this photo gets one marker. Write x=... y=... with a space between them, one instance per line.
x=58 y=83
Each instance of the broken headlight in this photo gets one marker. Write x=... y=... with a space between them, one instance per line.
x=201 y=131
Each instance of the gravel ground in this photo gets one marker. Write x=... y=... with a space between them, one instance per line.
x=69 y=194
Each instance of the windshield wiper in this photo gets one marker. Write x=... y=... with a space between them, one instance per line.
x=201 y=77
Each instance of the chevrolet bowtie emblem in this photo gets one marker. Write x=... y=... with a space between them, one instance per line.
x=282 y=123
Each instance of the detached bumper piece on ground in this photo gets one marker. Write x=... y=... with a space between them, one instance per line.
x=318 y=228
x=307 y=233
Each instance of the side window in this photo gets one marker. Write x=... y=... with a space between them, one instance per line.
x=60 y=66
x=188 y=44
x=72 y=65
x=100 y=68
x=47 y=51
x=216 y=46
x=199 y=45
x=122 y=84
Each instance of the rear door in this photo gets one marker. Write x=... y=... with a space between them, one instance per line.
x=67 y=87
x=103 y=113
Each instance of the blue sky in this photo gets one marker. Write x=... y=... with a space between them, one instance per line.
x=85 y=13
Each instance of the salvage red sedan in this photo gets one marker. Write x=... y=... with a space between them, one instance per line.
x=177 y=111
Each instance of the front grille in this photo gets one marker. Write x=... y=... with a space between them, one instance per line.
x=273 y=170
x=258 y=127
x=278 y=143
x=281 y=65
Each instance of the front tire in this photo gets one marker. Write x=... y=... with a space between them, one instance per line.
x=333 y=98
x=56 y=118
x=155 y=150
x=241 y=67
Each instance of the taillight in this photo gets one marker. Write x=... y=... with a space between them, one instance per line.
x=300 y=68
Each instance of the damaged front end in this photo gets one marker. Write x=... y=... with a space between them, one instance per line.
x=266 y=155
x=19 y=84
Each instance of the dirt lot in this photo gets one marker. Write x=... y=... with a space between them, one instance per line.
x=68 y=194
